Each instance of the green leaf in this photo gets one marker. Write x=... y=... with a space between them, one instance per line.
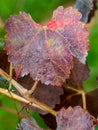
x=2 y=34
x=92 y=58
x=8 y=120
x=1 y=46
x=39 y=120
x=96 y=128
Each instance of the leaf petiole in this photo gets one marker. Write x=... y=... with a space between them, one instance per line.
x=11 y=71
x=33 y=87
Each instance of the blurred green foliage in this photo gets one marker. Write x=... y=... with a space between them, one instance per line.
x=1 y=45
x=8 y=120
x=2 y=33
x=96 y=127
x=41 y=11
x=92 y=58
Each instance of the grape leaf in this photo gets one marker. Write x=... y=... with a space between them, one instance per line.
x=28 y=124
x=92 y=102
x=77 y=76
x=4 y=61
x=74 y=119
x=46 y=52
x=45 y=94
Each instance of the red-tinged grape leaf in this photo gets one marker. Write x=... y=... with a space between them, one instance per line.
x=46 y=52
x=28 y=124
x=69 y=26
x=74 y=119
x=79 y=74
x=47 y=94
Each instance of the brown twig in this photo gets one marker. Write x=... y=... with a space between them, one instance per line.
x=16 y=97
x=12 y=81
x=24 y=92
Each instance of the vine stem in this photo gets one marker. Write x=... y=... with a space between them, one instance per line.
x=24 y=92
x=82 y=93
x=18 y=98
x=12 y=81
